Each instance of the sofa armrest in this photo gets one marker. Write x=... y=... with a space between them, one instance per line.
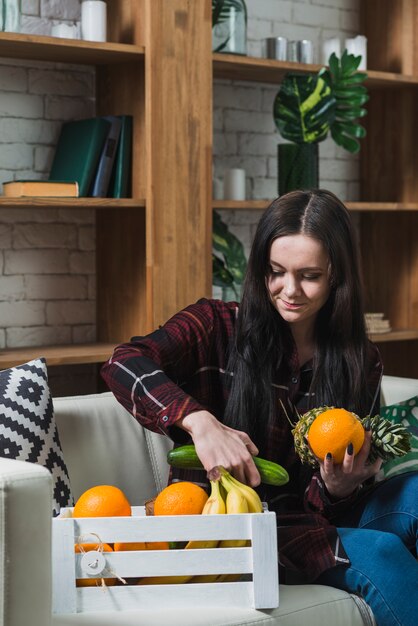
x=25 y=544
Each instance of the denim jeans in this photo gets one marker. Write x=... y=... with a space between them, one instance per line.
x=380 y=537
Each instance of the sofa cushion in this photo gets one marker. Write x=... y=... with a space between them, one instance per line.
x=28 y=430
x=405 y=413
x=315 y=605
x=104 y=444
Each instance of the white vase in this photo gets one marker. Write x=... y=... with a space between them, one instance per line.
x=93 y=20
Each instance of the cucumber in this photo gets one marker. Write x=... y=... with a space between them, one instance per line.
x=271 y=473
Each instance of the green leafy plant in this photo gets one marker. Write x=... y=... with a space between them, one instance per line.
x=228 y=259
x=221 y=11
x=308 y=107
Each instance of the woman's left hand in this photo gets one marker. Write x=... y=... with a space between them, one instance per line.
x=343 y=479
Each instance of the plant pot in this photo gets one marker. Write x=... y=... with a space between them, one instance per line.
x=297 y=166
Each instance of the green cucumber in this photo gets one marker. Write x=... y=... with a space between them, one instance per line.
x=271 y=473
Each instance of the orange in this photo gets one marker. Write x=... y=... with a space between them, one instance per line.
x=141 y=545
x=332 y=431
x=102 y=501
x=182 y=498
x=92 y=582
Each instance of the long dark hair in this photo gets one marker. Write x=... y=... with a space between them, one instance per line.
x=263 y=339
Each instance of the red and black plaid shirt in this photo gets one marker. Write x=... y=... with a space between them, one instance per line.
x=181 y=368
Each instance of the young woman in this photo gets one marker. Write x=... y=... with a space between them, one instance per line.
x=229 y=377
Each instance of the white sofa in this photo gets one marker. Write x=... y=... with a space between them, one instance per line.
x=103 y=444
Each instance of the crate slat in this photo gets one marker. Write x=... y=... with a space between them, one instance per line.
x=172 y=596
x=265 y=569
x=169 y=562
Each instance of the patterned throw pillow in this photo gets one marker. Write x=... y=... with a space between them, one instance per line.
x=405 y=413
x=27 y=426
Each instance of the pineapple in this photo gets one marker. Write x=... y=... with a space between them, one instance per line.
x=388 y=440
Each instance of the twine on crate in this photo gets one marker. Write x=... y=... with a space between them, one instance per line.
x=81 y=540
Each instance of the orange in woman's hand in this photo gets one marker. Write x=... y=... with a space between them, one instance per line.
x=332 y=431
x=102 y=501
x=182 y=498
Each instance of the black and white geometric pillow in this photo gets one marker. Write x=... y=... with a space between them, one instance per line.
x=27 y=426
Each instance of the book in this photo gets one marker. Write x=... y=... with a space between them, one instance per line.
x=101 y=179
x=50 y=188
x=78 y=151
x=120 y=183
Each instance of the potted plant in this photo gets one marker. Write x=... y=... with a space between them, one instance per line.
x=308 y=107
x=228 y=260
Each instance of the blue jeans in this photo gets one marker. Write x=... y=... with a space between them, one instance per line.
x=380 y=537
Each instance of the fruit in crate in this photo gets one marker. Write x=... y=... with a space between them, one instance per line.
x=102 y=501
x=270 y=473
x=141 y=545
x=329 y=429
x=180 y=498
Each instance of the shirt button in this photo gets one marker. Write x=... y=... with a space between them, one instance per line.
x=165 y=418
x=294 y=380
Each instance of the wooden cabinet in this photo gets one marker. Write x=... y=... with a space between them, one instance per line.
x=153 y=250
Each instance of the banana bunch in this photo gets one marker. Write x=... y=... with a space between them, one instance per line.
x=238 y=498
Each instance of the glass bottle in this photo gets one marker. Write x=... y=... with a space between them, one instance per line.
x=11 y=15
x=229 y=26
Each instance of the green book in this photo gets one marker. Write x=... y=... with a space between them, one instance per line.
x=78 y=151
x=120 y=182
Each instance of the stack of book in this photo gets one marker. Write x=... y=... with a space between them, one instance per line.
x=93 y=158
x=375 y=323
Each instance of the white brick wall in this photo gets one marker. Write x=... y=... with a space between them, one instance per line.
x=47 y=257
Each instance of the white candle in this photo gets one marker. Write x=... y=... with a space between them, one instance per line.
x=358 y=46
x=234 y=184
x=93 y=20
x=328 y=47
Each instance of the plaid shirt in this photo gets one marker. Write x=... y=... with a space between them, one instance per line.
x=181 y=368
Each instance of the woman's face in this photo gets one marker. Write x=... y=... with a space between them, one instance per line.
x=298 y=282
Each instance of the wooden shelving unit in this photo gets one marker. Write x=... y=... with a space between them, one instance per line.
x=157 y=62
x=161 y=237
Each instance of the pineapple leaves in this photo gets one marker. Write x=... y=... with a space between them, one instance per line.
x=229 y=265
x=308 y=107
x=303 y=108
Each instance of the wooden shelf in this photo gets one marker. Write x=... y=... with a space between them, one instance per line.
x=58 y=50
x=395 y=335
x=236 y=67
x=257 y=205
x=58 y=355
x=71 y=203
x=241 y=204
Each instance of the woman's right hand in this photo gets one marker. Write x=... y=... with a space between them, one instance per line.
x=217 y=444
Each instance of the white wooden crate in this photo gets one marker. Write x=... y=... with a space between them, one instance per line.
x=259 y=561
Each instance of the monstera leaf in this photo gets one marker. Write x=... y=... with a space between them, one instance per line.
x=308 y=107
x=230 y=264
x=304 y=108
x=344 y=81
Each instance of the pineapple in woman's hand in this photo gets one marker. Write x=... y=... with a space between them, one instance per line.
x=327 y=429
